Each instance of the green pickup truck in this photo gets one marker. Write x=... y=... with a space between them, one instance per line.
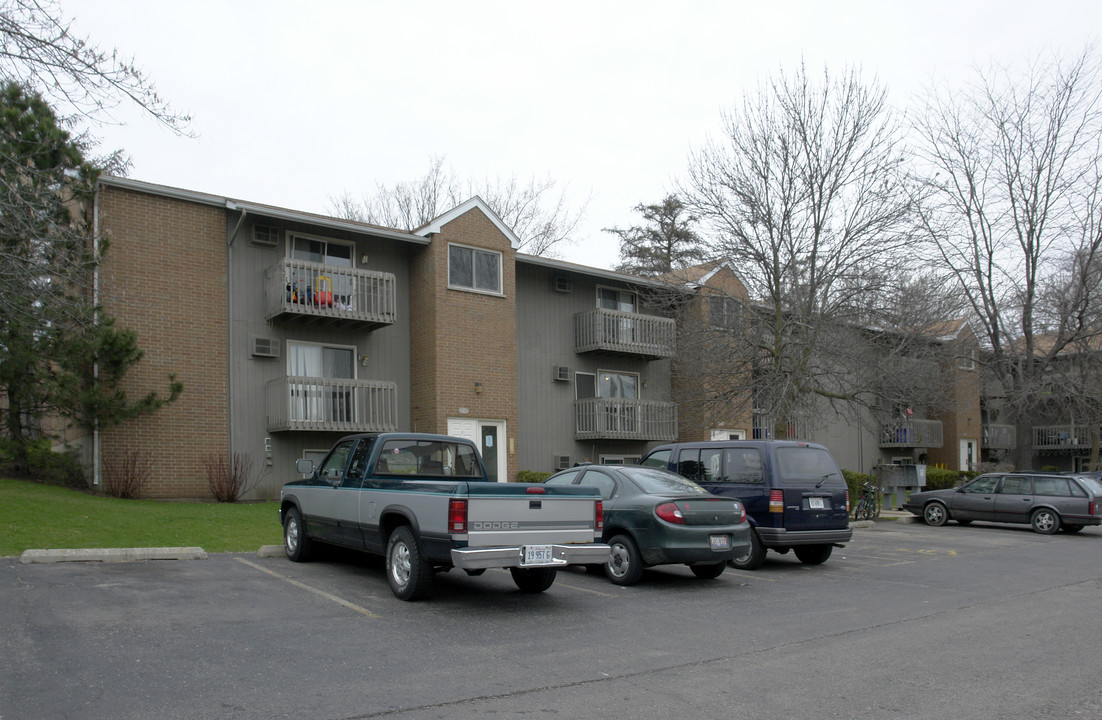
x=424 y=503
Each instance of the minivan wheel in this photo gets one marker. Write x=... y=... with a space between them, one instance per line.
x=754 y=557
x=935 y=514
x=813 y=554
x=1045 y=521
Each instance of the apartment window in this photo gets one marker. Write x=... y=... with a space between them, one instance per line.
x=321 y=395
x=723 y=313
x=320 y=250
x=471 y=269
x=967 y=362
x=618 y=385
x=613 y=299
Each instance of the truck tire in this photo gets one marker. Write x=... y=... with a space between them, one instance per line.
x=533 y=580
x=295 y=543
x=407 y=570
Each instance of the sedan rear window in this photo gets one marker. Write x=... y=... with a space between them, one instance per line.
x=661 y=482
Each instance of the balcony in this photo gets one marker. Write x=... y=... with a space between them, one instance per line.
x=620 y=419
x=999 y=437
x=332 y=404
x=326 y=293
x=1057 y=438
x=645 y=336
x=912 y=433
x=765 y=428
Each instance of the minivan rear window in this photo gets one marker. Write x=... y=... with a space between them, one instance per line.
x=800 y=465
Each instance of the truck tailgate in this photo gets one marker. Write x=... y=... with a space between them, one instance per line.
x=530 y=519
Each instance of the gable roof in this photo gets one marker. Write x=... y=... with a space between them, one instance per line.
x=437 y=224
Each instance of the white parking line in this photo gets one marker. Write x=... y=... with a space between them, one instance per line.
x=340 y=601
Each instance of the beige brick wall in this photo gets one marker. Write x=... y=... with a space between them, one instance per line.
x=164 y=276
x=461 y=338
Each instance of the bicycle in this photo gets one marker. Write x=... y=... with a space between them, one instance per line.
x=868 y=505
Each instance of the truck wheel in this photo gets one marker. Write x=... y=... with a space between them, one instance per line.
x=295 y=543
x=407 y=571
x=708 y=571
x=533 y=580
x=625 y=564
x=813 y=554
x=754 y=557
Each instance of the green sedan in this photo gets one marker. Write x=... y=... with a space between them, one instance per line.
x=656 y=517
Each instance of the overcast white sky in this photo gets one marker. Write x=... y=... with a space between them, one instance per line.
x=297 y=102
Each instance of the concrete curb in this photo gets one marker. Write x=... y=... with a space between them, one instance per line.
x=267 y=551
x=112 y=555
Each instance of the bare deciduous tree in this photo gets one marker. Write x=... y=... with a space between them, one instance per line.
x=806 y=194
x=40 y=51
x=539 y=215
x=1014 y=170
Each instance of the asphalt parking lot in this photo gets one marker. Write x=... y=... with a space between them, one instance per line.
x=907 y=621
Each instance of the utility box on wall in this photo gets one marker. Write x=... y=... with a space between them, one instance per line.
x=898 y=481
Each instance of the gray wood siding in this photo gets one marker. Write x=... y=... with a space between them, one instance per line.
x=386 y=348
x=545 y=339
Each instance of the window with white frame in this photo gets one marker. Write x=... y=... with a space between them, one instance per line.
x=473 y=269
x=321 y=391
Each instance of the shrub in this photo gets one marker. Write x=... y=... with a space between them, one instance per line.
x=941 y=479
x=854 y=481
x=230 y=478
x=532 y=476
x=126 y=475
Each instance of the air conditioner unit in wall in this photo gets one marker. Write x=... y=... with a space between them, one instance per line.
x=560 y=373
x=265 y=235
x=265 y=347
x=563 y=284
x=562 y=462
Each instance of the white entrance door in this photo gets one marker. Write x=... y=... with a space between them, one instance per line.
x=489 y=436
x=968 y=460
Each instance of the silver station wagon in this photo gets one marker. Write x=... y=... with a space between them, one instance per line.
x=1047 y=501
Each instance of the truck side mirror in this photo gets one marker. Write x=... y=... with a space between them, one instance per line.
x=305 y=466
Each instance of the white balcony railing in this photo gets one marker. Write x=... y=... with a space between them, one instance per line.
x=298 y=287
x=647 y=336
x=912 y=433
x=620 y=419
x=332 y=404
x=1061 y=437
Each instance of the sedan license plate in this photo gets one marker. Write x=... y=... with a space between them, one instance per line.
x=815 y=503
x=720 y=542
x=538 y=555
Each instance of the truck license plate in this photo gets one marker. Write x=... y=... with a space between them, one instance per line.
x=538 y=555
x=815 y=503
x=719 y=542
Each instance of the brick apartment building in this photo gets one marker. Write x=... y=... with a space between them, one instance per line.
x=290 y=329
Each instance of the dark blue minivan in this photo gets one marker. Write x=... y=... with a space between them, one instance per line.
x=794 y=493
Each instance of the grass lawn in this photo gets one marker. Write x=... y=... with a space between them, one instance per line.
x=48 y=517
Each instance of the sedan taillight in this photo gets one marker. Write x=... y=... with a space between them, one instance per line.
x=670 y=513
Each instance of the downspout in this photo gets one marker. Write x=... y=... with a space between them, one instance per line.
x=230 y=207
x=95 y=321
